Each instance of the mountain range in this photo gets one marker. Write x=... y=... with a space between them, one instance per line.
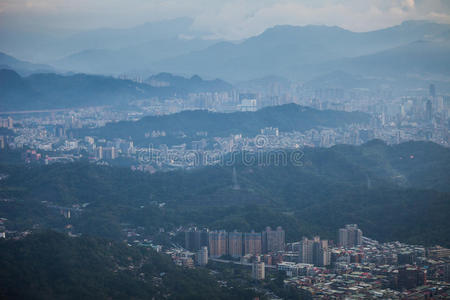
x=283 y=50
x=305 y=52
x=51 y=91
x=51 y=46
x=403 y=56
x=194 y=84
x=22 y=67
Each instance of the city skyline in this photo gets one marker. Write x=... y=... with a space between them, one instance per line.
x=206 y=149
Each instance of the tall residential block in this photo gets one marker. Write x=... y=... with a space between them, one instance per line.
x=252 y=243
x=235 y=244
x=273 y=240
x=258 y=271
x=217 y=243
x=350 y=236
x=202 y=256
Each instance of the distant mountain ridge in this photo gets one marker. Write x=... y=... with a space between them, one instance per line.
x=23 y=67
x=308 y=51
x=48 y=47
x=409 y=53
x=193 y=84
x=133 y=58
x=50 y=91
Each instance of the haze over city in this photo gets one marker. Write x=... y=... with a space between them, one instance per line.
x=225 y=149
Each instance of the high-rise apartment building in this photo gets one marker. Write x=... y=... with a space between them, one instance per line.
x=235 y=244
x=258 y=271
x=217 y=243
x=202 y=256
x=350 y=236
x=273 y=240
x=195 y=239
x=321 y=254
x=306 y=251
x=314 y=252
x=252 y=243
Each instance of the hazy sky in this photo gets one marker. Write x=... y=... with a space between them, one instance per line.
x=229 y=19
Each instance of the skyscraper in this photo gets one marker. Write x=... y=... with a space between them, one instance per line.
x=252 y=243
x=342 y=237
x=235 y=244
x=194 y=239
x=306 y=251
x=273 y=240
x=432 y=90
x=350 y=236
x=320 y=252
x=217 y=243
x=428 y=110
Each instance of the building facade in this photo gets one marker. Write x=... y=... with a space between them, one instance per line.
x=273 y=240
x=350 y=236
x=235 y=244
x=258 y=271
x=252 y=243
x=202 y=256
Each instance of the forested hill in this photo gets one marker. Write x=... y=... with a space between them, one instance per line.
x=396 y=192
x=287 y=117
x=55 y=91
x=51 y=265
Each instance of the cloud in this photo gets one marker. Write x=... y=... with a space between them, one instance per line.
x=230 y=19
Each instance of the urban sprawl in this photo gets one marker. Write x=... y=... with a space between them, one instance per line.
x=355 y=267
x=46 y=136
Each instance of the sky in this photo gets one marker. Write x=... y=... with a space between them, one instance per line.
x=225 y=19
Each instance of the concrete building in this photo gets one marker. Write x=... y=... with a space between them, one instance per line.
x=306 y=251
x=109 y=153
x=258 y=271
x=235 y=244
x=194 y=239
x=201 y=257
x=321 y=254
x=217 y=243
x=438 y=252
x=293 y=269
x=273 y=240
x=252 y=243
x=350 y=236
x=410 y=277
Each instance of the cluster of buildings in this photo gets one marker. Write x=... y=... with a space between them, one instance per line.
x=235 y=244
x=353 y=267
x=350 y=236
x=375 y=270
x=7 y=123
x=394 y=119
